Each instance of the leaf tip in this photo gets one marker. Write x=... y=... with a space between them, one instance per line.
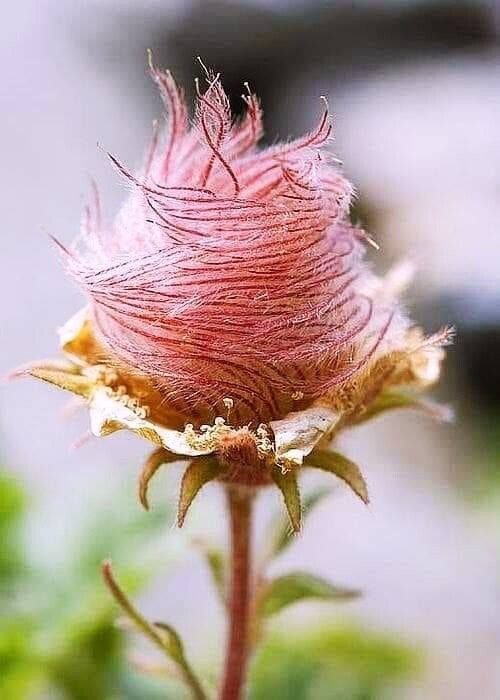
x=287 y=484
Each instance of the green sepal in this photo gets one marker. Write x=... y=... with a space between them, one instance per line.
x=393 y=399
x=287 y=484
x=151 y=466
x=199 y=472
x=279 y=527
x=343 y=468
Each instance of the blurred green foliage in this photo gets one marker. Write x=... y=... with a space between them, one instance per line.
x=59 y=640
x=58 y=637
x=484 y=475
x=333 y=663
x=12 y=509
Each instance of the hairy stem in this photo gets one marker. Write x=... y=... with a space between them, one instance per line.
x=239 y=501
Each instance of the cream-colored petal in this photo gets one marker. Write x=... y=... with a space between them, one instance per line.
x=426 y=365
x=78 y=341
x=70 y=330
x=109 y=413
x=296 y=435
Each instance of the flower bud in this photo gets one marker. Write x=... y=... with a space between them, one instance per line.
x=231 y=320
x=233 y=271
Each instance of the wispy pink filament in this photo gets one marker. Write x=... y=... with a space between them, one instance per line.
x=232 y=271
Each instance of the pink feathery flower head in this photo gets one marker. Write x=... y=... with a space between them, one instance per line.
x=233 y=271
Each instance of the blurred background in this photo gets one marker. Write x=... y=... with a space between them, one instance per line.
x=415 y=90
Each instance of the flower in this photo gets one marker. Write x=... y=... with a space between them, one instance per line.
x=233 y=271
x=231 y=319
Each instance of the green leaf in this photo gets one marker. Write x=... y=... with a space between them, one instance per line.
x=287 y=484
x=343 y=468
x=331 y=662
x=172 y=641
x=12 y=511
x=279 y=535
x=57 y=631
x=217 y=565
x=200 y=471
x=292 y=588
x=314 y=497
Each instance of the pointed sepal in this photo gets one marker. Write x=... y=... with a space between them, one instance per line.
x=155 y=460
x=279 y=528
x=393 y=399
x=343 y=468
x=68 y=379
x=287 y=484
x=199 y=472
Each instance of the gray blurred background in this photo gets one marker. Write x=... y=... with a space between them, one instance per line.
x=415 y=90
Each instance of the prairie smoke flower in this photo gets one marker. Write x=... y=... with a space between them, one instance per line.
x=231 y=318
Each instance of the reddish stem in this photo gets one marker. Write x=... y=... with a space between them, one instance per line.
x=240 y=513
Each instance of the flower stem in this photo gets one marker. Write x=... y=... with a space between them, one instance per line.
x=239 y=501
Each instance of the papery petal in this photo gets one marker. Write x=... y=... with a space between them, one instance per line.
x=108 y=414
